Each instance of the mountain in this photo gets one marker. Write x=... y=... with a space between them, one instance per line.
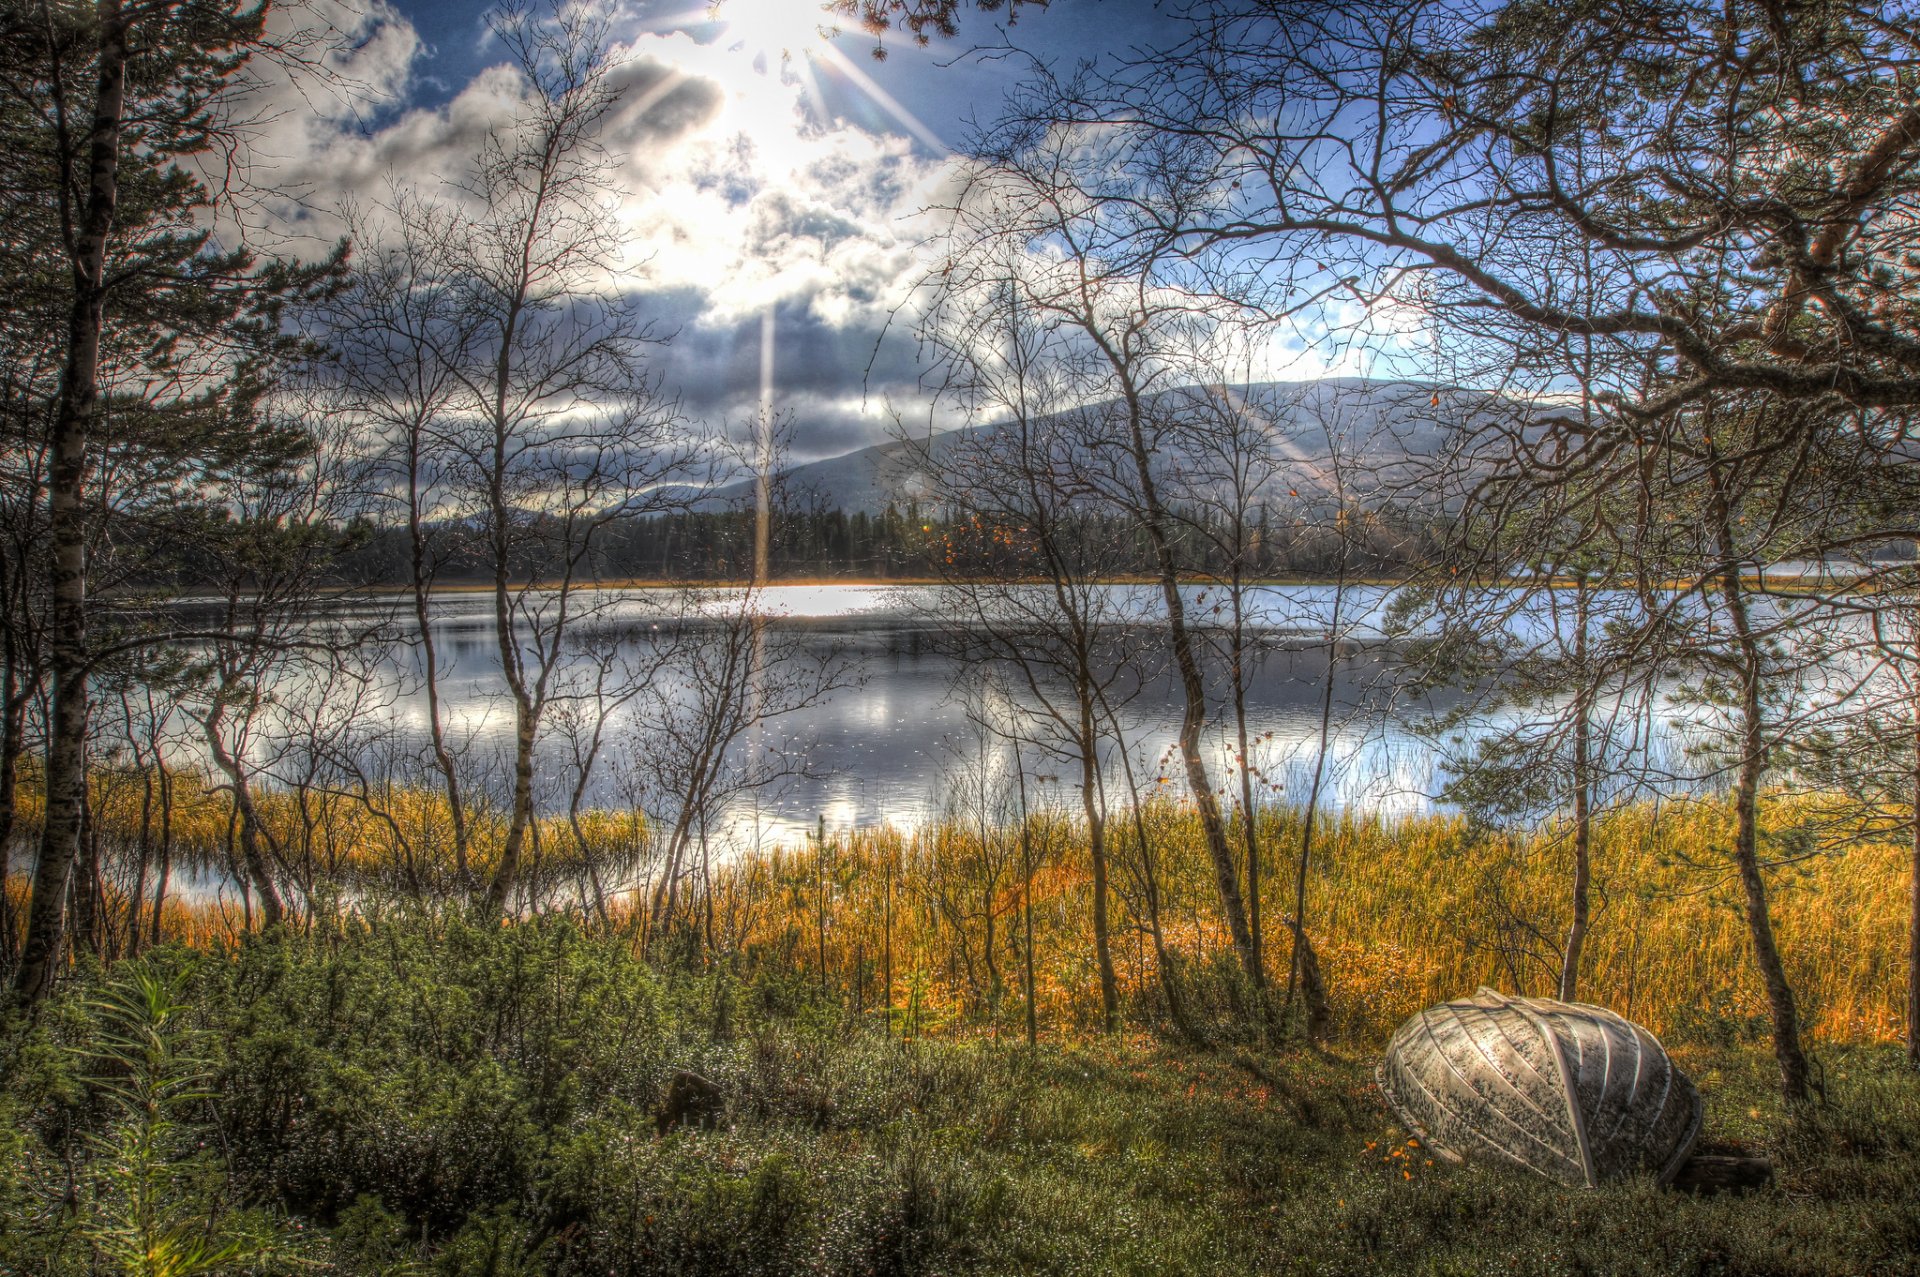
x=1391 y=434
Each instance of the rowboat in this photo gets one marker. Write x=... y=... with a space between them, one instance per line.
x=1569 y=1091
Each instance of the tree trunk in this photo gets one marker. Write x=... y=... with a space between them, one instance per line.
x=138 y=897
x=1582 y=804
x=1303 y=965
x=886 y=924
x=995 y=983
x=66 y=507
x=1093 y=805
x=1913 y=908
x=84 y=885
x=1250 y=830
x=1150 y=890
x=506 y=874
x=166 y=849
x=1026 y=906
x=1250 y=826
x=1787 y=1050
x=430 y=669
x=1313 y=984
x=253 y=855
x=1162 y=959
x=1193 y=717
x=13 y=745
x=526 y=710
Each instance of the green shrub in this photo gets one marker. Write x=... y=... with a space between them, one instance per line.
x=428 y=1098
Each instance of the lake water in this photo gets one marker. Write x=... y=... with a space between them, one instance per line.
x=895 y=745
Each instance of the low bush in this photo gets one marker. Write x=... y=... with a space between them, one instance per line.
x=424 y=1096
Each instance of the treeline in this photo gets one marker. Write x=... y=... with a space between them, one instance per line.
x=897 y=543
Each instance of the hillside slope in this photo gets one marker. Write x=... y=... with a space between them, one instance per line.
x=1390 y=437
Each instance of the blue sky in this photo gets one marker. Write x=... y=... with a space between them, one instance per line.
x=943 y=84
x=755 y=189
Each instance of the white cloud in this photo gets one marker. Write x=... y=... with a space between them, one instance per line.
x=720 y=180
x=725 y=185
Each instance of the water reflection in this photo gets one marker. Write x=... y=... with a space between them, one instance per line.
x=876 y=753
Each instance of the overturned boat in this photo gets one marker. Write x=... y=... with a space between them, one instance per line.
x=1572 y=1092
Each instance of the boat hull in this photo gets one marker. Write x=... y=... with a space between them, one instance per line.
x=1570 y=1091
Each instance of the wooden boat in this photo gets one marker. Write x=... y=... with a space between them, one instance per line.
x=1570 y=1091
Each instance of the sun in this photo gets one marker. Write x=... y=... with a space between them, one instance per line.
x=783 y=28
x=788 y=41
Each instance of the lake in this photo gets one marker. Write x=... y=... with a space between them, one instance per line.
x=893 y=746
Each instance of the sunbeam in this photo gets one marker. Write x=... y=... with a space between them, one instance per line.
x=886 y=101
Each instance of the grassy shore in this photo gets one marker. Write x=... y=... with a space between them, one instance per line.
x=1403 y=912
x=386 y=1088
x=427 y=1097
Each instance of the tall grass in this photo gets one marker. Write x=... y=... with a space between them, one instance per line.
x=1402 y=911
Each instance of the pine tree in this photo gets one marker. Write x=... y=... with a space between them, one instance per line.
x=165 y=340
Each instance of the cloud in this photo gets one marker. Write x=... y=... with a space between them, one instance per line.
x=735 y=198
x=842 y=385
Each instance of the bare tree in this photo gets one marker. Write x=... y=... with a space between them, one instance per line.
x=1016 y=497
x=401 y=335
x=1869 y=751
x=558 y=430
x=1453 y=160
x=1133 y=338
x=1536 y=607
x=271 y=548
x=726 y=676
x=1730 y=220
x=611 y=668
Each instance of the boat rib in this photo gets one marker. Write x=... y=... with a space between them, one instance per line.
x=1569 y=1091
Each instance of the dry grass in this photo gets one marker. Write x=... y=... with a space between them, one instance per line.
x=1403 y=912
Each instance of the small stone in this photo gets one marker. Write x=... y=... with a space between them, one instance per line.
x=691 y=1100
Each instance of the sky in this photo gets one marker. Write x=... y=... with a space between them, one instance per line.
x=772 y=185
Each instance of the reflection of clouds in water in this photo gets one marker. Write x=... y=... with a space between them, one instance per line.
x=876 y=751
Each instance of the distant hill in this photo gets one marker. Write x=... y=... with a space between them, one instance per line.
x=1391 y=434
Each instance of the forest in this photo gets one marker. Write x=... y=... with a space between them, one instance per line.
x=393 y=670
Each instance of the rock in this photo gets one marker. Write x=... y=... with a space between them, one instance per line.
x=1706 y=1176
x=691 y=1100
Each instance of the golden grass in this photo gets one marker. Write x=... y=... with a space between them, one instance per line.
x=1403 y=912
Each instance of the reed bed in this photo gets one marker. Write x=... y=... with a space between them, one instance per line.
x=929 y=928
x=1402 y=913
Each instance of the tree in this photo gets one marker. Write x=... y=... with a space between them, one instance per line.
x=558 y=431
x=1870 y=753
x=268 y=550
x=1742 y=484
x=1019 y=509
x=1741 y=664
x=400 y=335
x=1664 y=208
x=1132 y=339
x=922 y=20
x=164 y=331
x=1453 y=160
x=726 y=675
x=1563 y=654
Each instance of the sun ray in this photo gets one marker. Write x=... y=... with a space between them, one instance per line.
x=764 y=447
x=699 y=15
x=674 y=78
x=886 y=101
x=799 y=34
